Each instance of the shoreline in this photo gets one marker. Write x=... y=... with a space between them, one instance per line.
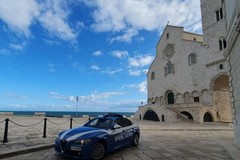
x=61 y=114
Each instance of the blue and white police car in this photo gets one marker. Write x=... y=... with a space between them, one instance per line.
x=97 y=137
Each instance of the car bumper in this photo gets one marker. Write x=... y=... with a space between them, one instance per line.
x=72 y=150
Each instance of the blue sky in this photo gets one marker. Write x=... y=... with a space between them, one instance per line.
x=99 y=50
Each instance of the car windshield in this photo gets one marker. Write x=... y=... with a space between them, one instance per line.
x=100 y=123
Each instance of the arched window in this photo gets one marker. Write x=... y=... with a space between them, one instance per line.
x=163 y=118
x=170 y=97
x=169 y=68
x=186 y=97
x=221 y=66
x=195 y=96
x=219 y=14
x=152 y=76
x=192 y=59
x=167 y=35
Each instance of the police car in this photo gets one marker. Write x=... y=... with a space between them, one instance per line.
x=97 y=137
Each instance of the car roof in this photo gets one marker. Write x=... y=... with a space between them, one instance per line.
x=116 y=115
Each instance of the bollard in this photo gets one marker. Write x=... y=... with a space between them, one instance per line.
x=5 y=138
x=71 y=123
x=45 y=128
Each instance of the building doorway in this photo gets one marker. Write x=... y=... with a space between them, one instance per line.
x=221 y=98
x=187 y=114
x=151 y=115
x=207 y=117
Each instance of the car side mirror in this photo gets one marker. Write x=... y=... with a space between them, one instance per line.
x=116 y=126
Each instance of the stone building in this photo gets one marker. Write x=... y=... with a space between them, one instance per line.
x=232 y=53
x=189 y=76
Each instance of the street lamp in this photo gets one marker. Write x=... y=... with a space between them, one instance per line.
x=76 y=106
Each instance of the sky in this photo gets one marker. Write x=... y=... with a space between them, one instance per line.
x=52 y=51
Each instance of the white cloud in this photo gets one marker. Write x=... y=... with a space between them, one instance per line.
x=95 y=67
x=54 y=19
x=134 y=72
x=4 y=52
x=51 y=42
x=97 y=53
x=19 y=15
x=10 y=95
x=128 y=17
x=77 y=66
x=18 y=47
x=120 y=54
x=53 y=67
x=93 y=98
x=141 y=87
x=111 y=72
x=140 y=61
x=62 y=97
x=52 y=15
x=126 y=37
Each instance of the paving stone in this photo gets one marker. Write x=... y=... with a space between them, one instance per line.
x=159 y=141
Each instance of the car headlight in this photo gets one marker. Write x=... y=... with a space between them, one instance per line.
x=83 y=142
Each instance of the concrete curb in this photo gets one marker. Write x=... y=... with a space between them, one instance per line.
x=26 y=150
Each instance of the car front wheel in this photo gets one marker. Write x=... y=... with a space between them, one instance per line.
x=98 y=151
x=135 y=139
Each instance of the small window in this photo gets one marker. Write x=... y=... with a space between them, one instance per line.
x=167 y=35
x=221 y=66
x=219 y=14
x=152 y=76
x=222 y=44
x=194 y=39
x=192 y=59
x=169 y=68
x=196 y=99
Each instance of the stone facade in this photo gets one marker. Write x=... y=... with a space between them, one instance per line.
x=189 y=75
x=232 y=54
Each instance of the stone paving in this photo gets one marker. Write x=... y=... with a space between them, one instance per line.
x=159 y=141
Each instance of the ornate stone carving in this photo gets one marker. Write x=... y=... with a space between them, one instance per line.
x=168 y=52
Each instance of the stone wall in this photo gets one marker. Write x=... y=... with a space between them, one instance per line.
x=169 y=116
x=234 y=59
x=232 y=9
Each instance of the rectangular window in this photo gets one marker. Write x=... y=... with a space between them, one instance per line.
x=217 y=15
x=221 y=13
x=196 y=99
x=220 y=45
x=224 y=43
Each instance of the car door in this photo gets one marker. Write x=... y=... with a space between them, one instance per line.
x=123 y=134
x=117 y=134
x=128 y=131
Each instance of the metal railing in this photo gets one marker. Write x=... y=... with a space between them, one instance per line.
x=45 y=120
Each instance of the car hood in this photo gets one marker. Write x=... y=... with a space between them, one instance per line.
x=80 y=132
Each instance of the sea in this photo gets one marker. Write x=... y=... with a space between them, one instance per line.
x=61 y=113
